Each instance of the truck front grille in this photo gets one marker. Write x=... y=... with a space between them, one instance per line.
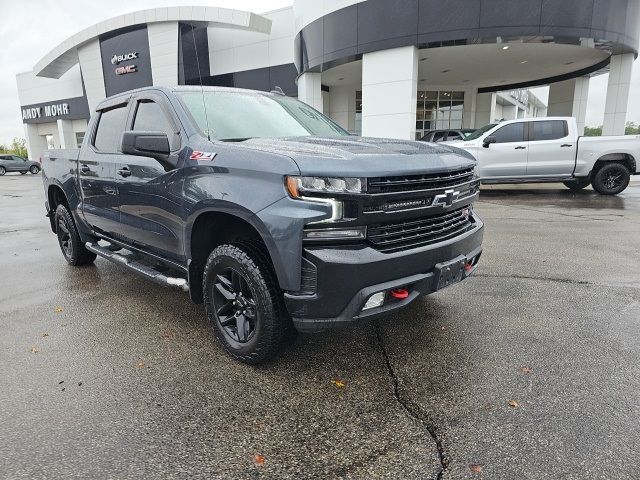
x=397 y=236
x=419 y=182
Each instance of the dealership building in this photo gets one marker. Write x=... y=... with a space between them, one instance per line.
x=382 y=68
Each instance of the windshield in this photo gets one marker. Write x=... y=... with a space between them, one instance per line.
x=237 y=116
x=481 y=131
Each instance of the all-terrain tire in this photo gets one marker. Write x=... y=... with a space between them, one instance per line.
x=255 y=279
x=611 y=179
x=74 y=251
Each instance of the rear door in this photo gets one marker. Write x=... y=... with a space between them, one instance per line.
x=150 y=193
x=96 y=170
x=551 y=150
x=507 y=157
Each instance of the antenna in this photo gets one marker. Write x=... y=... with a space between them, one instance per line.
x=204 y=104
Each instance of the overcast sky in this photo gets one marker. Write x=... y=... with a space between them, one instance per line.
x=31 y=28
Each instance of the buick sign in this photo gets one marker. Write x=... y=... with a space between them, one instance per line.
x=116 y=59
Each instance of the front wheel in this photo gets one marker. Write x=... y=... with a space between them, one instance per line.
x=577 y=184
x=34 y=169
x=611 y=179
x=69 y=240
x=2 y=171
x=244 y=304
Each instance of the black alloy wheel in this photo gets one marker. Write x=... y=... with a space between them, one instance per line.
x=234 y=305
x=611 y=178
x=73 y=250
x=244 y=303
x=64 y=237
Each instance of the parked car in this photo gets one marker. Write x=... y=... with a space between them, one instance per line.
x=14 y=163
x=446 y=135
x=550 y=150
x=264 y=209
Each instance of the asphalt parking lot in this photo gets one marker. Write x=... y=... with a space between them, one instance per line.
x=530 y=369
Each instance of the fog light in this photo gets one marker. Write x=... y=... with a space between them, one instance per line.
x=375 y=300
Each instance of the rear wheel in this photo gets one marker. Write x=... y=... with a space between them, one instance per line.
x=69 y=240
x=244 y=304
x=2 y=171
x=577 y=184
x=611 y=179
x=34 y=169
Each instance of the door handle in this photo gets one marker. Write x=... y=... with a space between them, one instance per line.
x=85 y=168
x=124 y=172
x=565 y=145
x=520 y=148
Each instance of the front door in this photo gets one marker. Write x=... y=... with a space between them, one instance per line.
x=507 y=157
x=150 y=196
x=96 y=171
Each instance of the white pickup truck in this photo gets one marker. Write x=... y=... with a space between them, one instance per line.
x=550 y=150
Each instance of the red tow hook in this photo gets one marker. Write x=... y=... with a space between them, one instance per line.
x=400 y=293
x=468 y=267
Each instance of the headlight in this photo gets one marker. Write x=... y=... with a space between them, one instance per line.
x=300 y=186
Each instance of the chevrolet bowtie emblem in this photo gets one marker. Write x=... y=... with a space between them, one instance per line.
x=447 y=198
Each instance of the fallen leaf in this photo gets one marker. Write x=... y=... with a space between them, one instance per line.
x=167 y=334
x=34 y=350
x=475 y=468
x=513 y=404
x=525 y=369
x=140 y=364
x=258 y=459
x=58 y=310
x=79 y=384
x=443 y=328
x=45 y=334
x=60 y=382
x=338 y=383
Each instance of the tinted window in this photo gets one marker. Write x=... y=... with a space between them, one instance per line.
x=2 y=157
x=549 y=130
x=439 y=136
x=151 y=118
x=453 y=135
x=19 y=159
x=110 y=127
x=513 y=132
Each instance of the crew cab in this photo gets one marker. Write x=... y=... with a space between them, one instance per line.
x=549 y=149
x=264 y=209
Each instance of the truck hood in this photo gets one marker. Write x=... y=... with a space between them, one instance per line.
x=362 y=156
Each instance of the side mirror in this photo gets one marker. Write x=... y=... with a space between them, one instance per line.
x=146 y=144
x=488 y=141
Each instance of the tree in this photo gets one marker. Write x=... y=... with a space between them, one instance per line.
x=19 y=147
x=632 y=128
x=593 y=131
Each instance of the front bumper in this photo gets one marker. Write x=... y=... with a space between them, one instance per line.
x=346 y=277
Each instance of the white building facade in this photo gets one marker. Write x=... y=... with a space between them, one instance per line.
x=378 y=68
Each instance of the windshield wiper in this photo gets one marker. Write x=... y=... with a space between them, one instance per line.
x=239 y=139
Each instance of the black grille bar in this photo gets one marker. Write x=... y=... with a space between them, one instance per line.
x=396 y=236
x=419 y=182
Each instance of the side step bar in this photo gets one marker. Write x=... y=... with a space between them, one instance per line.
x=138 y=268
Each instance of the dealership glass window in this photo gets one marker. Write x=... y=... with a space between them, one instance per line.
x=358 y=126
x=438 y=109
x=79 y=139
x=110 y=128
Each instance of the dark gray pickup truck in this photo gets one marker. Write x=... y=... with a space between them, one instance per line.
x=263 y=209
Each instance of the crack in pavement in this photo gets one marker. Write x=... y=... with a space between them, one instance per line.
x=559 y=280
x=413 y=410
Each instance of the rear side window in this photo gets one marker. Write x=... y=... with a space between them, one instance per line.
x=549 y=130
x=453 y=135
x=110 y=128
x=151 y=118
x=513 y=132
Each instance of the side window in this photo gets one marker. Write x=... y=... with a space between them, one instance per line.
x=549 y=130
x=19 y=159
x=151 y=118
x=110 y=127
x=439 y=136
x=453 y=135
x=513 y=132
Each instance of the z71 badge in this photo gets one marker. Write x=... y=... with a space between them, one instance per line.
x=196 y=155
